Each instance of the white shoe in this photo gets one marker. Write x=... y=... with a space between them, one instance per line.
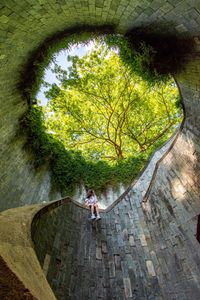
x=98 y=217
x=93 y=217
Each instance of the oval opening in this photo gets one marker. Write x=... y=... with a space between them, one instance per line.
x=102 y=121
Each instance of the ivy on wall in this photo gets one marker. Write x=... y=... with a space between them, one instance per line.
x=152 y=56
x=69 y=168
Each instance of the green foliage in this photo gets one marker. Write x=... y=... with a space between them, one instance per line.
x=152 y=56
x=68 y=167
x=89 y=91
x=48 y=55
x=137 y=58
x=107 y=112
x=33 y=126
x=32 y=72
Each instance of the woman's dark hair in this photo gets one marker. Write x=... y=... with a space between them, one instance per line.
x=90 y=193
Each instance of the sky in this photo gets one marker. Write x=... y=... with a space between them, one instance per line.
x=61 y=59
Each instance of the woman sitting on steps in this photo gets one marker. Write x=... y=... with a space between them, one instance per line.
x=91 y=202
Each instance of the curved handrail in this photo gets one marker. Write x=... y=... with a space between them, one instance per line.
x=145 y=198
x=177 y=132
x=17 y=251
x=52 y=205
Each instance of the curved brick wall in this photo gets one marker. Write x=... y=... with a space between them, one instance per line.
x=24 y=27
x=137 y=251
x=140 y=250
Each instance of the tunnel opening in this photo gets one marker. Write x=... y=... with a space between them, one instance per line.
x=106 y=175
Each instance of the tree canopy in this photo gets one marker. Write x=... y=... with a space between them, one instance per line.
x=102 y=121
x=107 y=112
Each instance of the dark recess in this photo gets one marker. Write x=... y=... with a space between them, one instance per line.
x=168 y=50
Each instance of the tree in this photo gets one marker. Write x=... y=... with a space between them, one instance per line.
x=108 y=113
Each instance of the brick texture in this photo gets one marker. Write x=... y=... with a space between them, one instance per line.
x=146 y=251
x=24 y=25
x=140 y=250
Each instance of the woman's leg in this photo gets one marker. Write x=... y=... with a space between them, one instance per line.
x=97 y=210
x=92 y=212
x=92 y=209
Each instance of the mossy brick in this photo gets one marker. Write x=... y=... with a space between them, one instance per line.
x=144 y=3
x=167 y=7
x=148 y=11
x=4 y=19
x=99 y=3
x=5 y=11
x=174 y=2
x=114 y=5
x=11 y=4
x=156 y=4
x=16 y=163
x=139 y=10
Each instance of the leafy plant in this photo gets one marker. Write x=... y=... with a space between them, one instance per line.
x=138 y=59
x=32 y=72
x=75 y=105
x=153 y=56
x=107 y=112
x=68 y=167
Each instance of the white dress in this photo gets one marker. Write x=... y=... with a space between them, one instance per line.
x=91 y=200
